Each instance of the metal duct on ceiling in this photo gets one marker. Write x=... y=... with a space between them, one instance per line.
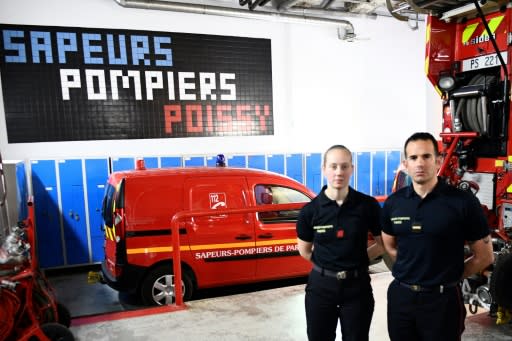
x=273 y=15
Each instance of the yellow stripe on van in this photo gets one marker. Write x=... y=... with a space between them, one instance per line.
x=108 y=233
x=244 y=244
x=209 y=246
x=276 y=242
x=154 y=250
x=220 y=246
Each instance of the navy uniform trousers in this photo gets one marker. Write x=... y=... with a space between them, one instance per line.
x=348 y=300
x=425 y=315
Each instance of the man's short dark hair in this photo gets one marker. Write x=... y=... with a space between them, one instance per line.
x=422 y=136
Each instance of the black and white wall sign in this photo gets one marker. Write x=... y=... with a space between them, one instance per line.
x=72 y=84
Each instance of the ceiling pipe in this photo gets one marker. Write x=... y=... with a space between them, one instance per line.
x=300 y=18
x=328 y=14
x=286 y=4
x=326 y=4
x=257 y=3
x=395 y=12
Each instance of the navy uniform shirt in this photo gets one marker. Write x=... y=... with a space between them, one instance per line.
x=430 y=232
x=339 y=233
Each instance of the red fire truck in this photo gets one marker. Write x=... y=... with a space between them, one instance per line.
x=468 y=58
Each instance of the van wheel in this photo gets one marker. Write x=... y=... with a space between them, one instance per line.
x=57 y=332
x=64 y=315
x=158 y=287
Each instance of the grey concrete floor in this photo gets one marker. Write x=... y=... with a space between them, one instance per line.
x=272 y=314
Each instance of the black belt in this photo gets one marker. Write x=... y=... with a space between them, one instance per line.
x=421 y=288
x=339 y=275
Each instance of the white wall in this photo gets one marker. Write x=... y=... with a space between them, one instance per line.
x=368 y=94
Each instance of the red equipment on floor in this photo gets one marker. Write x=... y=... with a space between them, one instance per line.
x=28 y=308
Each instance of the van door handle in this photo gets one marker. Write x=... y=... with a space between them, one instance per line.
x=242 y=237
x=189 y=225
x=265 y=236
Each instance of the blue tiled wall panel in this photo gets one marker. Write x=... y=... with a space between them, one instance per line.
x=22 y=191
x=236 y=161
x=47 y=213
x=194 y=161
x=211 y=161
x=275 y=163
x=170 y=161
x=314 y=171
x=392 y=165
x=294 y=167
x=378 y=173
x=151 y=162
x=74 y=221
x=96 y=172
x=363 y=172
x=123 y=163
x=353 y=177
x=256 y=161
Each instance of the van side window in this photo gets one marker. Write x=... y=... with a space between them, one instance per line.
x=267 y=194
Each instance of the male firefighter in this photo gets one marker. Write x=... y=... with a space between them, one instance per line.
x=424 y=229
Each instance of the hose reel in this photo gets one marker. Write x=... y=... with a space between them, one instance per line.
x=471 y=110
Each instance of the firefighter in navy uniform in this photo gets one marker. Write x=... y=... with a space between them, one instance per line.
x=424 y=228
x=332 y=233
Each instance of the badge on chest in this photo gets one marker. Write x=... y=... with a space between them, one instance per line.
x=416 y=227
x=322 y=228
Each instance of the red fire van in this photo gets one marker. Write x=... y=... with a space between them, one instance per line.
x=216 y=250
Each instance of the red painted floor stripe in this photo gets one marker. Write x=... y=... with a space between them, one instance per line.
x=78 y=321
